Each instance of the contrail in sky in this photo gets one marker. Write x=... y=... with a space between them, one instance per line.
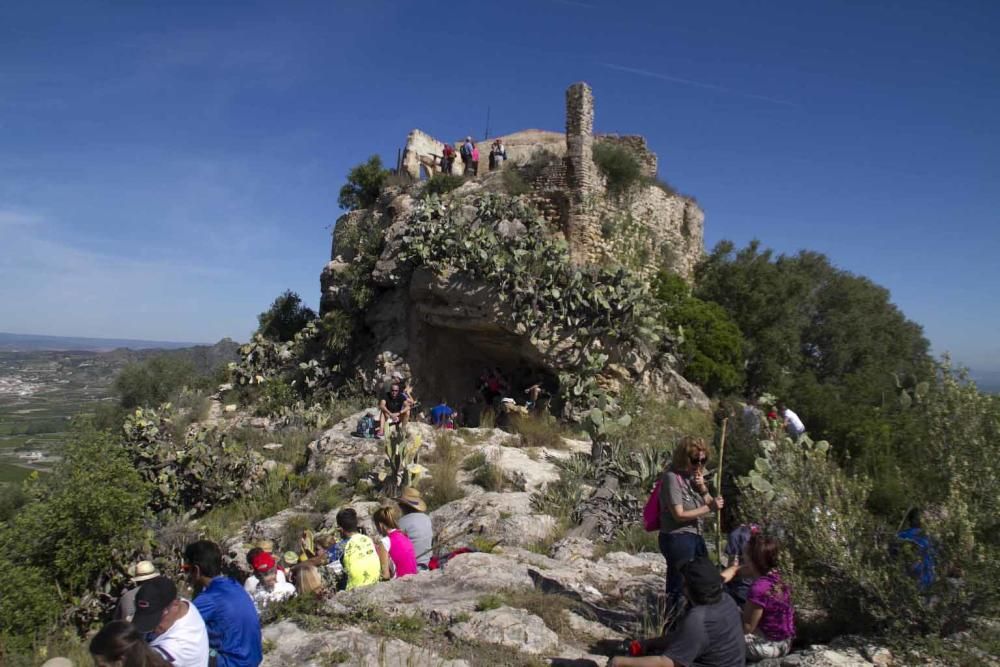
x=698 y=84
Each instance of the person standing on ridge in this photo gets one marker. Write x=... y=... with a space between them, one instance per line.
x=793 y=425
x=233 y=625
x=447 y=159
x=684 y=503
x=475 y=160
x=498 y=153
x=466 y=154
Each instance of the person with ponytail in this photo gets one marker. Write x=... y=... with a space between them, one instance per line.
x=120 y=644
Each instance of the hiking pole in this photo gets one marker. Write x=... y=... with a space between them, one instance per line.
x=718 y=490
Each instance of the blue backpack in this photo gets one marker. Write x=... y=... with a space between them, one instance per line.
x=366 y=427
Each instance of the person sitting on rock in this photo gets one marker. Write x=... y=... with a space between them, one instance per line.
x=140 y=572
x=229 y=614
x=472 y=412
x=768 y=615
x=269 y=589
x=174 y=626
x=401 y=553
x=416 y=524
x=708 y=635
x=308 y=580
x=361 y=562
x=394 y=408
x=119 y=643
x=737 y=581
x=441 y=414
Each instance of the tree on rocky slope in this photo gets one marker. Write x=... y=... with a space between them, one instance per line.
x=285 y=318
x=364 y=182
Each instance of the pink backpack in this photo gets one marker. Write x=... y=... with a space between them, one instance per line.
x=651 y=512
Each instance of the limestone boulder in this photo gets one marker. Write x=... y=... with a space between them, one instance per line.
x=442 y=595
x=289 y=644
x=272 y=528
x=507 y=626
x=507 y=518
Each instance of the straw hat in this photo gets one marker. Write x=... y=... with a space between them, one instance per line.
x=143 y=571
x=266 y=545
x=411 y=497
x=290 y=558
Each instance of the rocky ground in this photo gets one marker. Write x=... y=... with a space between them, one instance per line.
x=528 y=601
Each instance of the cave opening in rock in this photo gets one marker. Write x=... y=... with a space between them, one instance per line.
x=451 y=362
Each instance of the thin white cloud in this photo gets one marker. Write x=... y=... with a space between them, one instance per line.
x=10 y=218
x=698 y=84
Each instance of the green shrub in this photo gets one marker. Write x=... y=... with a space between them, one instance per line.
x=490 y=476
x=514 y=183
x=286 y=317
x=29 y=608
x=86 y=519
x=328 y=498
x=538 y=431
x=442 y=485
x=274 y=397
x=364 y=184
x=619 y=166
x=440 y=184
x=155 y=381
x=490 y=601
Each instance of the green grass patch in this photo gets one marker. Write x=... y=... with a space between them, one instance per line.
x=538 y=431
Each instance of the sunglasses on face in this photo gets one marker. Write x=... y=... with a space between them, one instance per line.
x=698 y=460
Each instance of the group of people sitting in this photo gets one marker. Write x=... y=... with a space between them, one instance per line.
x=398 y=406
x=154 y=626
x=715 y=618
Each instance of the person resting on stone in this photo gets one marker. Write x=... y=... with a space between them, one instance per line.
x=120 y=644
x=416 y=524
x=441 y=415
x=404 y=561
x=309 y=581
x=768 y=614
x=737 y=581
x=269 y=589
x=362 y=565
x=394 y=408
x=173 y=625
x=708 y=635
x=253 y=581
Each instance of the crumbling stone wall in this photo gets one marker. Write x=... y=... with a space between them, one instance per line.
x=582 y=179
x=636 y=145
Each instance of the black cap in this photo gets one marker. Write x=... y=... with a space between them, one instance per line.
x=702 y=578
x=150 y=601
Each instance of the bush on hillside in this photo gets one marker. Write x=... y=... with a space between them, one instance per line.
x=204 y=470
x=286 y=317
x=364 y=183
x=440 y=184
x=84 y=522
x=619 y=166
x=29 y=608
x=711 y=347
x=155 y=381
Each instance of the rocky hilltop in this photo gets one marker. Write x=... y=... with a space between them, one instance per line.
x=540 y=268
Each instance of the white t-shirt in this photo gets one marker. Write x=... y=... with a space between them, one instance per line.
x=252 y=582
x=282 y=591
x=185 y=643
x=795 y=425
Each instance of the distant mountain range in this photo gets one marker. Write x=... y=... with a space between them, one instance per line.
x=25 y=342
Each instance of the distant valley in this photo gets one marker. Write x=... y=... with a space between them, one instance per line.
x=47 y=380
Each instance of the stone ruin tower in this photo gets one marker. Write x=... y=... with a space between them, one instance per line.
x=582 y=180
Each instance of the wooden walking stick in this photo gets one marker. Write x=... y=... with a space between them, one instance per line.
x=718 y=491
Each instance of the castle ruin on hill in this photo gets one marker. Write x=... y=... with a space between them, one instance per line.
x=442 y=326
x=650 y=228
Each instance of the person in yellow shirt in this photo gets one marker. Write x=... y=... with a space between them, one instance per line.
x=362 y=565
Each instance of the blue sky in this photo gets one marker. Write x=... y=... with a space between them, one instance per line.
x=166 y=169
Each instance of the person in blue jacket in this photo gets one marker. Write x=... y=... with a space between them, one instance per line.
x=233 y=625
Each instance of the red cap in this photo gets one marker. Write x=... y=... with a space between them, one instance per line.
x=263 y=562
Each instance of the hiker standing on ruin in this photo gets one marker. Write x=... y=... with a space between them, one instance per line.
x=447 y=159
x=684 y=503
x=466 y=154
x=498 y=153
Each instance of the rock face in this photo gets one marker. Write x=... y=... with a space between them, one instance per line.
x=506 y=626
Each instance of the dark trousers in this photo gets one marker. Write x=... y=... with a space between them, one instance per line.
x=679 y=548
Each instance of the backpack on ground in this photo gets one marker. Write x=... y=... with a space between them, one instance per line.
x=366 y=427
x=651 y=511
